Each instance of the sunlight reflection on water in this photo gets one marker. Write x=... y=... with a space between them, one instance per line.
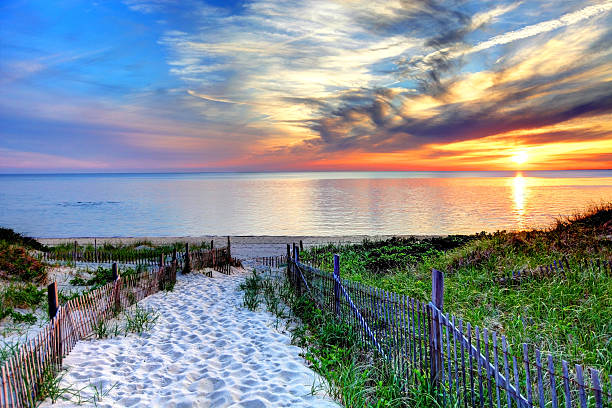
x=293 y=203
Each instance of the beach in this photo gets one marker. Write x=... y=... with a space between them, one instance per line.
x=206 y=350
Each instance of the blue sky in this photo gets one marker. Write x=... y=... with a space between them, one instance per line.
x=166 y=85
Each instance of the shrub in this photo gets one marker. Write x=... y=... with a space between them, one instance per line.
x=17 y=264
x=28 y=296
x=11 y=237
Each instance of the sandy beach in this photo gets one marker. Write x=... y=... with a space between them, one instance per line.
x=206 y=350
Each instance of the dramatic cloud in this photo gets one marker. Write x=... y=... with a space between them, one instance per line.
x=377 y=84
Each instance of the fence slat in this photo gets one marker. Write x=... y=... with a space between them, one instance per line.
x=553 y=386
x=539 y=376
x=566 y=387
x=457 y=384
x=580 y=381
x=596 y=387
x=527 y=375
x=505 y=352
x=478 y=369
x=496 y=360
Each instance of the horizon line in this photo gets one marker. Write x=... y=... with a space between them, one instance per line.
x=286 y=171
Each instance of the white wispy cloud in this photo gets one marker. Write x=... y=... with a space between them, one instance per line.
x=544 y=27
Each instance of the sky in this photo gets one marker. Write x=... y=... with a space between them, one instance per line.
x=269 y=85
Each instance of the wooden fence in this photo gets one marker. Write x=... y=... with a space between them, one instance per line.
x=23 y=373
x=468 y=365
x=128 y=257
x=272 y=261
x=561 y=267
x=218 y=259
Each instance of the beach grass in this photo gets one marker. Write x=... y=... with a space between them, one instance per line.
x=568 y=315
x=354 y=374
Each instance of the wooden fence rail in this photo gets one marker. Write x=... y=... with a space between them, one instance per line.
x=23 y=373
x=218 y=258
x=469 y=366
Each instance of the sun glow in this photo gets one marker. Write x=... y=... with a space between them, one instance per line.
x=520 y=158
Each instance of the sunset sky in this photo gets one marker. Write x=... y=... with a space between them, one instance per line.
x=171 y=85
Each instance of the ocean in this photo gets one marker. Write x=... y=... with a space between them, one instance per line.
x=308 y=203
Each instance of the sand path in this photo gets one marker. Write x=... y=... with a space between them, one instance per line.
x=206 y=350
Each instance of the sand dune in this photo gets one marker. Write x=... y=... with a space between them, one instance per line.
x=206 y=350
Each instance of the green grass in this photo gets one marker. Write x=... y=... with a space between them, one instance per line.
x=20 y=296
x=568 y=316
x=8 y=349
x=353 y=374
x=119 y=251
x=101 y=276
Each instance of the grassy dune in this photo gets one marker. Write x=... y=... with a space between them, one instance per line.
x=568 y=315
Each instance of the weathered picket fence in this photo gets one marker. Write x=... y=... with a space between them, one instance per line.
x=218 y=259
x=468 y=365
x=23 y=373
x=561 y=268
x=272 y=261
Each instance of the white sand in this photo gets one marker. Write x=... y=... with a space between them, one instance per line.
x=206 y=350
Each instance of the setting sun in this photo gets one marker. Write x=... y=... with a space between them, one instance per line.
x=520 y=157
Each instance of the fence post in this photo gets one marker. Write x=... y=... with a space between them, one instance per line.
x=336 y=285
x=174 y=266
x=301 y=246
x=288 y=261
x=115 y=271
x=187 y=263
x=298 y=279
x=229 y=250
x=53 y=308
x=212 y=244
x=74 y=257
x=174 y=254
x=96 y=250
x=52 y=298
x=437 y=300
x=117 y=282
x=161 y=259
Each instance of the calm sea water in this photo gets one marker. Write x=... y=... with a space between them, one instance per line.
x=320 y=203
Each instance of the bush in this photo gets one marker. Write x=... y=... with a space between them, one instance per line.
x=17 y=264
x=11 y=237
x=28 y=296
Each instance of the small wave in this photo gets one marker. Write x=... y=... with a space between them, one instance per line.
x=86 y=203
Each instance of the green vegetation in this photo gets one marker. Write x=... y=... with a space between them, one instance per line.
x=354 y=375
x=50 y=386
x=8 y=349
x=16 y=261
x=568 y=315
x=138 y=250
x=139 y=319
x=16 y=264
x=136 y=320
x=101 y=276
x=9 y=236
x=20 y=296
